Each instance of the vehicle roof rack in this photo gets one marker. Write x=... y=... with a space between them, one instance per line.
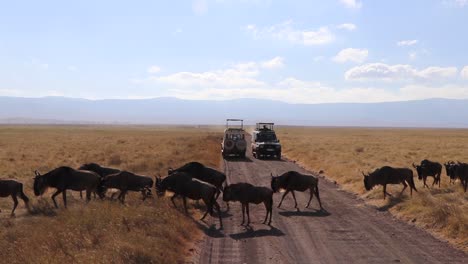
x=235 y=120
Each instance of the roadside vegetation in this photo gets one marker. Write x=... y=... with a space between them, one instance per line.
x=101 y=231
x=344 y=152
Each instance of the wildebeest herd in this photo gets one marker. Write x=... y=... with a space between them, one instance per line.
x=389 y=175
x=193 y=181
x=198 y=182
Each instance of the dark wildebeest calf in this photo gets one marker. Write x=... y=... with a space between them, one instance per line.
x=203 y=173
x=184 y=185
x=429 y=168
x=66 y=178
x=246 y=193
x=294 y=181
x=388 y=175
x=126 y=181
x=14 y=189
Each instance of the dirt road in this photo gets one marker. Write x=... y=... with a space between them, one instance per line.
x=348 y=232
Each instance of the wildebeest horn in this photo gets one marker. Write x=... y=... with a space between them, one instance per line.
x=414 y=166
x=36 y=173
x=363 y=174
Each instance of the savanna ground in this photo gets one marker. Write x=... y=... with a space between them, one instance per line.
x=101 y=231
x=344 y=152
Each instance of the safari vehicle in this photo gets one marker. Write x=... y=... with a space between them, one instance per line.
x=234 y=143
x=264 y=141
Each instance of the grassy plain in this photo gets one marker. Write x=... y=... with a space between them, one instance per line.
x=344 y=152
x=101 y=231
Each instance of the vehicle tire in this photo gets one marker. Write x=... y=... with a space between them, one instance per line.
x=229 y=144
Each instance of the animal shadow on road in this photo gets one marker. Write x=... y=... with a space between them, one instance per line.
x=315 y=213
x=210 y=231
x=392 y=201
x=250 y=233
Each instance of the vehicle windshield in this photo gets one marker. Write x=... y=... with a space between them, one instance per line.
x=263 y=137
x=234 y=136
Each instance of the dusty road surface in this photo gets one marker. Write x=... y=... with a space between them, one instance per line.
x=347 y=232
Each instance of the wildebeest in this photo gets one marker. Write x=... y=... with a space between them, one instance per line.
x=388 y=175
x=126 y=181
x=184 y=185
x=203 y=173
x=461 y=172
x=66 y=178
x=14 y=189
x=450 y=168
x=246 y=193
x=429 y=168
x=100 y=170
x=294 y=181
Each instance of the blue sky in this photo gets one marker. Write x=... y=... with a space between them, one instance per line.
x=294 y=51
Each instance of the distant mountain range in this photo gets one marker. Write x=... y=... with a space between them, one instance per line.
x=61 y=110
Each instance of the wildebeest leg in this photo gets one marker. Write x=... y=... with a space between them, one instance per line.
x=438 y=178
x=435 y=180
x=218 y=209
x=424 y=180
x=404 y=187
x=267 y=208
x=64 y=195
x=384 y=191
x=282 y=198
x=185 y=204
x=81 y=194
x=15 y=201
x=207 y=210
x=53 y=197
x=311 y=196
x=243 y=212
x=172 y=200
x=248 y=213
x=88 y=195
x=122 y=196
x=317 y=194
x=295 y=202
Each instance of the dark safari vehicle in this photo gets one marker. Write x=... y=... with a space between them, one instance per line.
x=264 y=141
x=234 y=139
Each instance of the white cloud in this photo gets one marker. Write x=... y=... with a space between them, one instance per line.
x=351 y=55
x=199 y=7
x=412 y=55
x=464 y=73
x=354 y=4
x=398 y=72
x=286 y=32
x=407 y=42
x=276 y=62
x=347 y=26
x=154 y=69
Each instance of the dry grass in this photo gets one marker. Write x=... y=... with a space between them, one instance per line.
x=101 y=231
x=344 y=152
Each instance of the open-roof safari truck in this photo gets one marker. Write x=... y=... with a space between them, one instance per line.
x=234 y=143
x=264 y=141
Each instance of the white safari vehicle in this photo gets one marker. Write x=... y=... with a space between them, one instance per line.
x=264 y=141
x=234 y=143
